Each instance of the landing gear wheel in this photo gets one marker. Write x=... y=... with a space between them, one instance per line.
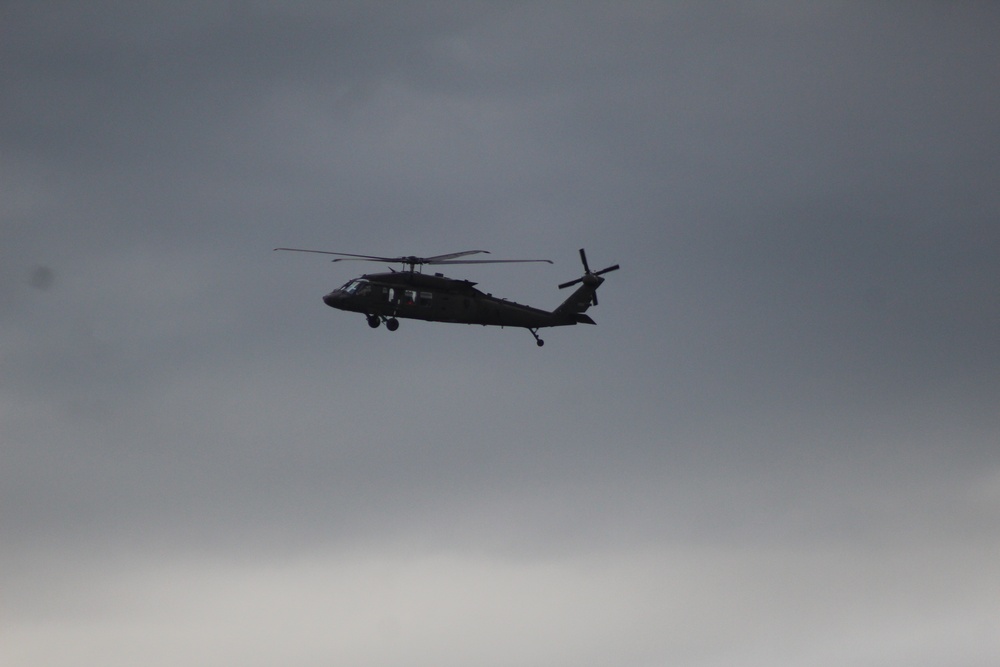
x=392 y=324
x=539 y=342
x=374 y=321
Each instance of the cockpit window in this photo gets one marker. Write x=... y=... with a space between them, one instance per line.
x=352 y=286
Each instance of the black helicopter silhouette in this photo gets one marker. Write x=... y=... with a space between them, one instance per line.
x=386 y=297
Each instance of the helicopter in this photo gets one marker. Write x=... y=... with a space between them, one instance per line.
x=412 y=294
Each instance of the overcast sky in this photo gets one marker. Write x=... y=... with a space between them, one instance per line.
x=780 y=445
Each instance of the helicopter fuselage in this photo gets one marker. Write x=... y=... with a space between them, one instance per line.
x=436 y=298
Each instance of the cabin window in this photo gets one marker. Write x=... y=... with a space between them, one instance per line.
x=425 y=298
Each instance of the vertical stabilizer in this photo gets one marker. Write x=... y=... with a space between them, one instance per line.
x=580 y=300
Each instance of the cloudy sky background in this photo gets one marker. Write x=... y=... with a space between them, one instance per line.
x=779 y=446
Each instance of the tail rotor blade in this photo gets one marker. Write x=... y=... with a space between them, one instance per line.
x=572 y=282
x=608 y=270
x=589 y=275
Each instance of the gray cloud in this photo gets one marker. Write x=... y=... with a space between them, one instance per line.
x=779 y=443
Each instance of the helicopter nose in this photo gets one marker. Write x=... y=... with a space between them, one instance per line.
x=332 y=299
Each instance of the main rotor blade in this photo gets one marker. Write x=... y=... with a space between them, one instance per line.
x=487 y=261
x=347 y=254
x=436 y=259
x=453 y=255
x=583 y=258
x=387 y=260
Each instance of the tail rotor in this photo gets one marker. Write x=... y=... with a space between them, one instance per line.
x=590 y=278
